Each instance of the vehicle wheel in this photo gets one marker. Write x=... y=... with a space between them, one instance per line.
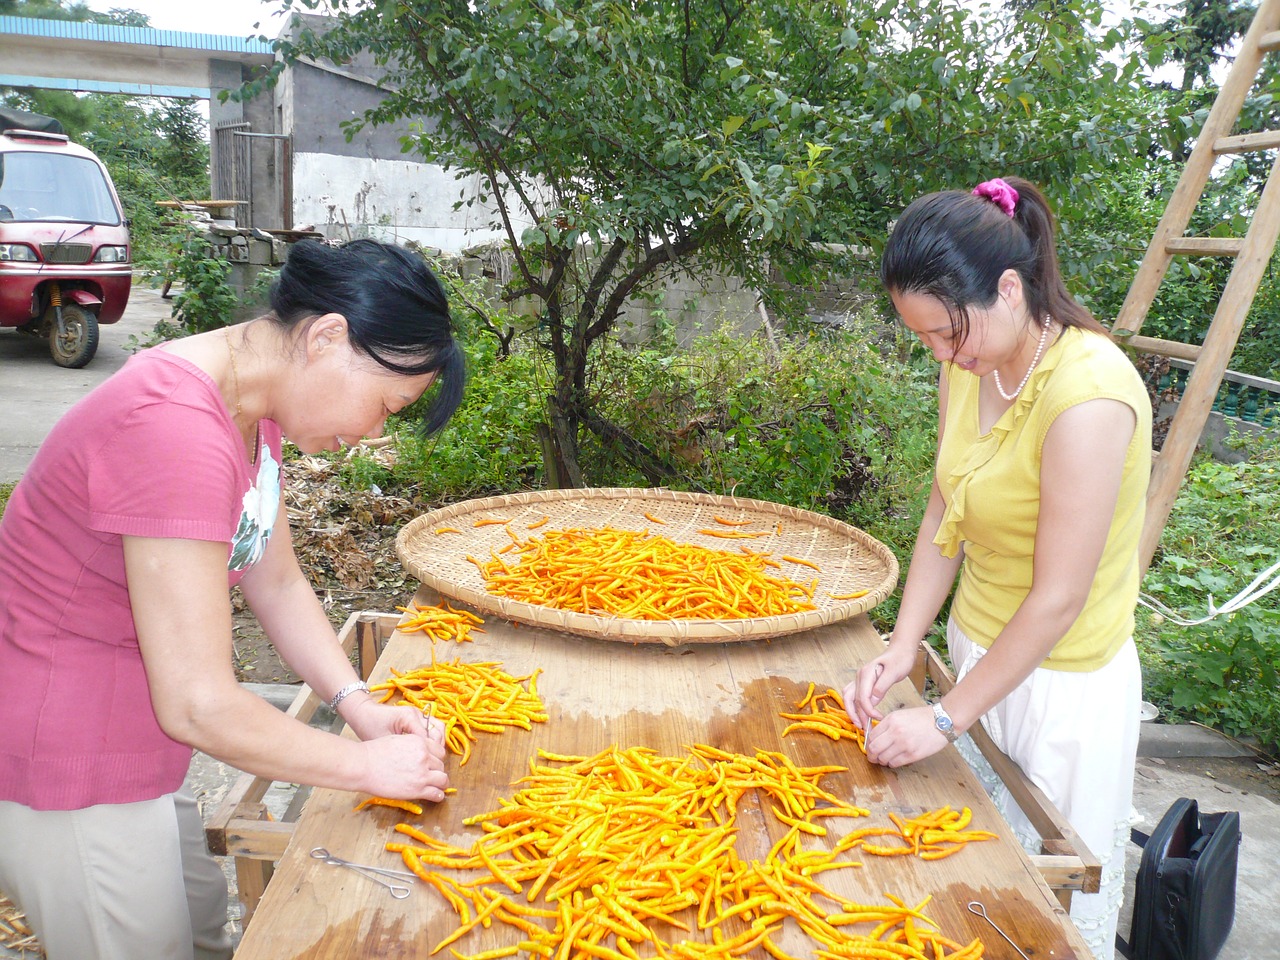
x=79 y=342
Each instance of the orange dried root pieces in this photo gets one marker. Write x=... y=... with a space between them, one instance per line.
x=625 y=573
x=929 y=836
x=628 y=854
x=406 y=805
x=828 y=716
x=468 y=698
x=440 y=622
x=856 y=595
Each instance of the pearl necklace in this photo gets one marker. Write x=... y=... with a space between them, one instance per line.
x=1044 y=336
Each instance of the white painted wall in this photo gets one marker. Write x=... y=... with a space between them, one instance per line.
x=394 y=200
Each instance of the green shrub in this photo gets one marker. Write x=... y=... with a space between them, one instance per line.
x=1221 y=534
x=834 y=422
x=491 y=444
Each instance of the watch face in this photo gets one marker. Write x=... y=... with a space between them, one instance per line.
x=941 y=720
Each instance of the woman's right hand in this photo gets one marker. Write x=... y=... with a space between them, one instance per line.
x=404 y=767
x=863 y=694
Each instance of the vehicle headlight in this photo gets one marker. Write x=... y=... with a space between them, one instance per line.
x=111 y=255
x=17 y=251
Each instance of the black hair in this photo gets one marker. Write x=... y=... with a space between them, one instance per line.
x=954 y=246
x=396 y=310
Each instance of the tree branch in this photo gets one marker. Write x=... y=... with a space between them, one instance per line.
x=598 y=280
x=653 y=466
x=678 y=250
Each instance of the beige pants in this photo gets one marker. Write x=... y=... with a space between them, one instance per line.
x=116 y=881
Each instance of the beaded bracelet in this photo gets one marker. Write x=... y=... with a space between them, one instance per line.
x=345 y=692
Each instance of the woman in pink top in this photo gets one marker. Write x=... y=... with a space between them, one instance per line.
x=149 y=500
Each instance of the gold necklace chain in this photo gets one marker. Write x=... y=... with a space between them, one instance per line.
x=235 y=374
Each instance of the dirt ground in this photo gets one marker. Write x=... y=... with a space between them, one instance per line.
x=345 y=542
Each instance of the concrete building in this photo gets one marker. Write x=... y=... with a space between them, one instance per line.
x=283 y=155
x=292 y=138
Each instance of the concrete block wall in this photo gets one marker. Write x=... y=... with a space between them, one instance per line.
x=694 y=305
x=248 y=256
x=694 y=301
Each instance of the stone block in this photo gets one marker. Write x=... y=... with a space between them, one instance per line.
x=261 y=254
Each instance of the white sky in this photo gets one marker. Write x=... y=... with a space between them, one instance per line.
x=237 y=17
x=234 y=18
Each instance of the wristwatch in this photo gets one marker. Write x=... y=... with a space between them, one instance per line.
x=942 y=720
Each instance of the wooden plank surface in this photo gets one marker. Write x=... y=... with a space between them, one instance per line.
x=601 y=693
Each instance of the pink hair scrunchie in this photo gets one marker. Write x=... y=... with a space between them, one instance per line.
x=999 y=193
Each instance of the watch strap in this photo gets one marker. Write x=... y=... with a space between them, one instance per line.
x=943 y=722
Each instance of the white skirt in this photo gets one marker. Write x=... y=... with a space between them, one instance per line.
x=1075 y=736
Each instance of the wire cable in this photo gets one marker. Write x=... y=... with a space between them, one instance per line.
x=1259 y=588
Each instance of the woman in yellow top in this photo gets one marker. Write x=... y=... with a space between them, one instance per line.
x=1044 y=452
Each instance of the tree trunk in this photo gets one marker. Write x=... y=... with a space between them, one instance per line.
x=562 y=469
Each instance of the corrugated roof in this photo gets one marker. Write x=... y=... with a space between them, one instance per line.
x=145 y=36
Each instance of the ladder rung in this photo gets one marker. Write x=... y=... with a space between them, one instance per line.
x=1164 y=348
x=1246 y=142
x=1206 y=246
x=1269 y=41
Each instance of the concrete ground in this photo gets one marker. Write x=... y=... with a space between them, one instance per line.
x=34 y=392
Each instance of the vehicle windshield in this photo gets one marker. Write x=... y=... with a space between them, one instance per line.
x=57 y=187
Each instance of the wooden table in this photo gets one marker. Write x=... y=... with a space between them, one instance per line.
x=601 y=693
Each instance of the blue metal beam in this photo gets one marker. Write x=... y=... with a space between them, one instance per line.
x=104 y=86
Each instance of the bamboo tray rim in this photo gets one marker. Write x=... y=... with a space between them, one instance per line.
x=438 y=560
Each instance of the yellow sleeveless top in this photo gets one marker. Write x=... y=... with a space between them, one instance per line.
x=991 y=487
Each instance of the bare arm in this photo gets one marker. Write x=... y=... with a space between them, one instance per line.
x=295 y=622
x=178 y=591
x=930 y=577
x=1083 y=451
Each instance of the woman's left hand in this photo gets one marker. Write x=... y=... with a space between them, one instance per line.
x=904 y=736
x=371 y=719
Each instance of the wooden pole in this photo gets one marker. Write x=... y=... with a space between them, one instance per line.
x=1182 y=202
x=1206 y=375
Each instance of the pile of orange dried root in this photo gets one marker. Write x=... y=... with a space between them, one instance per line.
x=469 y=699
x=930 y=836
x=636 y=575
x=827 y=716
x=628 y=854
x=440 y=622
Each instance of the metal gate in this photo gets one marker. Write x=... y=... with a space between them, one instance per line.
x=257 y=170
x=231 y=178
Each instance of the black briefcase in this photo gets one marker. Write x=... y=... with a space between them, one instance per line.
x=1184 y=898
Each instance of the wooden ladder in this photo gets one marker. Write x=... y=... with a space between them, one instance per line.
x=1252 y=253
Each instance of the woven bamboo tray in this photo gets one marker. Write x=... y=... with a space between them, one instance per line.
x=849 y=559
